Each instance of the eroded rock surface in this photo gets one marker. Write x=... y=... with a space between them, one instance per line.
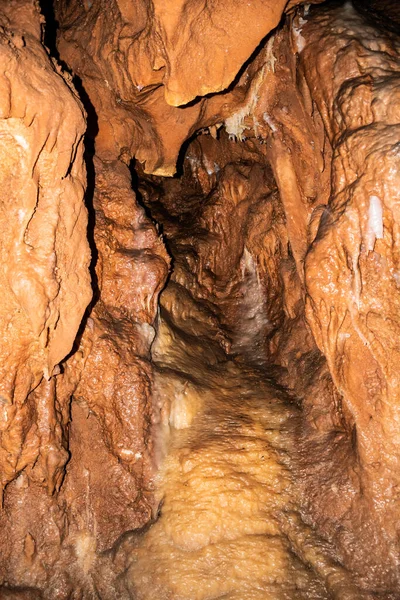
x=115 y=376
x=141 y=61
x=49 y=535
x=45 y=254
x=281 y=221
x=350 y=270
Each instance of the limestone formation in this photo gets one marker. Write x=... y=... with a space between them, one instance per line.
x=200 y=319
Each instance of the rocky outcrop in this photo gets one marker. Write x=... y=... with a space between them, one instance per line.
x=112 y=455
x=351 y=266
x=45 y=285
x=49 y=533
x=45 y=253
x=45 y=278
x=140 y=62
x=331 y=141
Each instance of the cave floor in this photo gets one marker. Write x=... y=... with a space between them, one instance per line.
x=228 y=524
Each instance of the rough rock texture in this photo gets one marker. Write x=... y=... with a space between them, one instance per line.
x=225 y=227
x=141 y=60
x=44 y=251
x=330 y=144
x=283 y=226
x=115 y=377
x=327 y=104
x=49 y=536
x=355 y=251
x=45 y=285
x=333 y=143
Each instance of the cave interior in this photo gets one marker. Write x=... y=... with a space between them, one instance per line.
x=200 y=274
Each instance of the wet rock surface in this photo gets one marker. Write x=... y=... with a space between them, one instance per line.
x=229 y=524
x=198 y=384
x=71 y=470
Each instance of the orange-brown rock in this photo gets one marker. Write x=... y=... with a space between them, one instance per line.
x=140 y=63
x=115 y=376
x=281 y=219
x=45 y=254
x=46 y=288
x=351 y=267
x=331 y=143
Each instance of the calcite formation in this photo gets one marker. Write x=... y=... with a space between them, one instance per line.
x=45 y=254
x=197 y=197
x=50 y=344
x=145 y=60
x=115 y=376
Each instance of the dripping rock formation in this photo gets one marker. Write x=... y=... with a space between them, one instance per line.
x=200 y=310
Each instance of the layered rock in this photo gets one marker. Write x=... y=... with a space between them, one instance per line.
x=45 y=253
x=45 y=285
x=140 y=62
x=321 y=129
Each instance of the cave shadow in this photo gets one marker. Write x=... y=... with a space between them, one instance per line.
x=229 y=89
x=49 y=39
x=50 y=28
x=182 y=153
x=136 y=185
x=91 y=132
x=379 y=16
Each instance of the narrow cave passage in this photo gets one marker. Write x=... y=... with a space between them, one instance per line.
x=200 y=275
x=230 y=522
x=229 y=526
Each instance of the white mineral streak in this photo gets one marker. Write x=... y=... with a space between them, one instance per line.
x=234 y=125
x=375 y=222
x=269 y=122
x=299 y=40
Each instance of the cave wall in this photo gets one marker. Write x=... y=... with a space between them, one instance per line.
x=317 y=108
x=285 y=149
x=45 y=284
x=74 y=477
x=45 y=253
x=350 y=266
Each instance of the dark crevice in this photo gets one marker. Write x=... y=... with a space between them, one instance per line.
x=138 y=185
x=88 y=199
x=50 y=30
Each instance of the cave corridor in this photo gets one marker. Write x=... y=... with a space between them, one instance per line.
x=200 y=311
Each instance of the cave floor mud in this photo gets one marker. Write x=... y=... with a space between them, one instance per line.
x=229 y=525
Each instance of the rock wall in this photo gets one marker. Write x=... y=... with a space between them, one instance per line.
x=74 y=477
x=325 y=105
x=350 y=262
x=45 y=253
x=109 y=475
x=283 y=143
x=45 y=285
